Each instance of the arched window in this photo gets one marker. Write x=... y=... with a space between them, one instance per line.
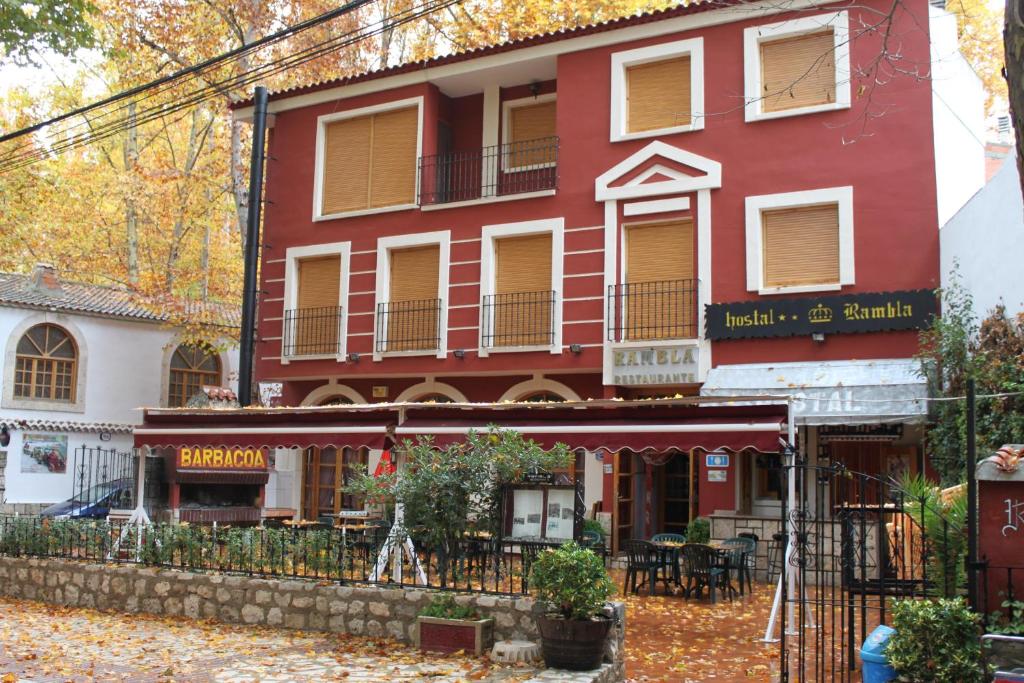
x=191 y=368
x=338 y=400
x=542 y=397
x=46 y=365
x=435 y=398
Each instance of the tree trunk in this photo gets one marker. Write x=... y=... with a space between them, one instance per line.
x=196 y=139
x=131 y=216
x=1013 y=38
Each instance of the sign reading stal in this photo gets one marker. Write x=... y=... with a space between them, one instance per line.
x=654 y=366
x=217 y=458
x=873 y=312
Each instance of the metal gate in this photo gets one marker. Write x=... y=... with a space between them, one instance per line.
x=104 y=479
x=857 y=543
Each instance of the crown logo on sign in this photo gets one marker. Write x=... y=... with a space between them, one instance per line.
x=820 y=314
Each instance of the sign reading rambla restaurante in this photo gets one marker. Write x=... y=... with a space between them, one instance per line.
x=221 y=458
x=873 y=312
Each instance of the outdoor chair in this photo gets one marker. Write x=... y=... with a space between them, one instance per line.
x=739 y=551
x=670 y=560
x=752 y=556
x=641 y=558
x=776 y=553
x=703 y=569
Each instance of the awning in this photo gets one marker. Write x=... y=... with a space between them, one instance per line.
x=832 y=392
x=268 y=428
x=636 y=428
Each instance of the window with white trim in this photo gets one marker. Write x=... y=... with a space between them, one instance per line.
x=800 y=241
x=658 y=90
x=367 y=159
x=795 y=67
x=315 y=292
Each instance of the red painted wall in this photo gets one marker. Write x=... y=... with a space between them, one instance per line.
x=716 y=495
x=891 y=170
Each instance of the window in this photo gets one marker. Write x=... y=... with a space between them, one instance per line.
x=800 y=241
x=325 y=472
x=46 y=365
x=797 y=67
x=658 y=90
x=660 y=292
x=312 y=328
x=367 y=162
x=528 y=126
x=413 y=308
x=191 y=369
x=520 y=310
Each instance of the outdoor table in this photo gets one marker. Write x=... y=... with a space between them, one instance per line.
x=668 y=552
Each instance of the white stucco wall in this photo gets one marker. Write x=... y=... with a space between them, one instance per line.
x=958 y=118
x=124 y=367
x=986 y=238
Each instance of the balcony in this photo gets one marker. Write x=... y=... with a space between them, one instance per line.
x=498 y=171
x=518 y=319
x=408 y=325
x=646 y=311
x=312 y=332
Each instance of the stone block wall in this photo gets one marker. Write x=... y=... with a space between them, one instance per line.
x=293 y=604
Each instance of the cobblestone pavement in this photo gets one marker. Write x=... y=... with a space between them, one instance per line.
x=44 y=644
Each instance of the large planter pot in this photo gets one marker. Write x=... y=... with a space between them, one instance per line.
x=573 y=645
x=452 y=635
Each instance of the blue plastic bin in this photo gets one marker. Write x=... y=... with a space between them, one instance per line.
x=876 y=667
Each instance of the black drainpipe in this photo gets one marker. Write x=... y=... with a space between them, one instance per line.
x=252 y=247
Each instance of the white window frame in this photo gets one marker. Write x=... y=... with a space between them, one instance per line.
x=343 y=250
x=385 y=245
x=755 y=35
x=506 y=129
x=694 y=47
x=841 y=196
x=321 y=134
x=488 y=269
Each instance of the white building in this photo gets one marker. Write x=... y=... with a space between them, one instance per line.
x=79 y=362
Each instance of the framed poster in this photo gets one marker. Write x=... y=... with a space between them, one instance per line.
x=44 y=454
x=527 y=511
x=560 y=514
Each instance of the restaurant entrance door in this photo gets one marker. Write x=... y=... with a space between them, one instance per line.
x=673 y=491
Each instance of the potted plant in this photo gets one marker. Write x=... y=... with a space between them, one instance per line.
x=574 y=585
x=445 y=626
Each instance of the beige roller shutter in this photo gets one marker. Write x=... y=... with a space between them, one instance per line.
x=658 y=94
x=393 y=166
x=801 y=246
x=346 y=165
x=413 y=309
x=522 y=285
x=660 y=291
x=528 y=126
x=798 y=72
x=315 y=324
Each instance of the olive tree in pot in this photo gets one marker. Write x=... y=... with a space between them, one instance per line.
x=573 y=585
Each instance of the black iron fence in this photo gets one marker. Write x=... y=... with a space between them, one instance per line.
x=329 y=554
x=518 y=319
x=665 y=309
x=409 y=325
x=312 y=331
x=103 y=478
x=1002 y=603
x=511 y=168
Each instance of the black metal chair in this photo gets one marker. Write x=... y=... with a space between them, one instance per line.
x=703 y=568
x=776 y=554
x=641 y=558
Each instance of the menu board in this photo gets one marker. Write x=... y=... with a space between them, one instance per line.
x=527 y=510
x=560 y=514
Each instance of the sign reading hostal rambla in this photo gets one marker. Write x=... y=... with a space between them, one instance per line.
x=220 y=458
x=873 y=312
x=654 y=366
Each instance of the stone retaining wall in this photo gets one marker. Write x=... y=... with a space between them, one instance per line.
x=295 y=604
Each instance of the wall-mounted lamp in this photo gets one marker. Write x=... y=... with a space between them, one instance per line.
x=5 y=437
x=353 y=357
x=576 y=348
x=818 y=337
x=535 y=88
x=459 y=353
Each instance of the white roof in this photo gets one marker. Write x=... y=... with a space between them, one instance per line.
x=832 y=392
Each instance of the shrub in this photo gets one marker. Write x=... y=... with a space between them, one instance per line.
x=593 y=525
x=572 y=581
x=444 y=607
x=699 y=531
x=935 y=640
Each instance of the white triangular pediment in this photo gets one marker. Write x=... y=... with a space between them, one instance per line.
x=650 y=172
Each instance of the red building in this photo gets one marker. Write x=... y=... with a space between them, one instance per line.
x=703 y=199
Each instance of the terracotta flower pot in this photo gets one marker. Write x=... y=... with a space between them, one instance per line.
x=573 y=645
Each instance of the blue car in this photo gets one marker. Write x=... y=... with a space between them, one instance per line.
x=96 y=503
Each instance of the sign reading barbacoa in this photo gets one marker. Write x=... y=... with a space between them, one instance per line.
x=873 y=312
x=216 y=458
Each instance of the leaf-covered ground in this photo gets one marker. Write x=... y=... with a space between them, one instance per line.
x=45 y=644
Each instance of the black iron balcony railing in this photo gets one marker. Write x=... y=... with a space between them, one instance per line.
x=312 y=331
x=512 y=168
x=518 y=319
x=640 y=311
x=409 y=325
